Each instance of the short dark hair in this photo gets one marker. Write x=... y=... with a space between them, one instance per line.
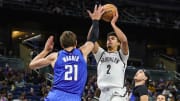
x=148 y=77
x=67 y=39
x=112 y=34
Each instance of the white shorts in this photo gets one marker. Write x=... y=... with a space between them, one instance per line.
x=114 y=94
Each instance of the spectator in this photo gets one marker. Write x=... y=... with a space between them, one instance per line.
x=3 y=95
x=161 y=97
x=10 y=96
x=22 y=97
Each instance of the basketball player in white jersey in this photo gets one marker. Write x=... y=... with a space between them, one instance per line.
x=112 y=65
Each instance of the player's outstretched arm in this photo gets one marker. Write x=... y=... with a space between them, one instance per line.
x=42 y=59
x=94 y=29
x=96 y=45
x=122 y=37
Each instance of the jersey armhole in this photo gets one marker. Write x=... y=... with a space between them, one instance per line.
x=124 y=67
x=100 y=56
x=121 y=59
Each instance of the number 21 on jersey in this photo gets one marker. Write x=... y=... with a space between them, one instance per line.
x=71 y=73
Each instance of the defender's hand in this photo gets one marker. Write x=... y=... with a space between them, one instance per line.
x=49 y=44
x=97 y=13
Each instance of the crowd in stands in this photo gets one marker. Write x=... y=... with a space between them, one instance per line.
x=22 y=85
x=27 y=85
x=131 y=14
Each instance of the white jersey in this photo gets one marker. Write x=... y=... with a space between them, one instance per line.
x=111 y=68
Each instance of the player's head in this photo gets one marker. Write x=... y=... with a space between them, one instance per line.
x=68 y=39
x=142 y=76
x=113 y=43
x=161 y=97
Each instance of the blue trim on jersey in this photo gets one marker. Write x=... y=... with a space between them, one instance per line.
x=132 y=97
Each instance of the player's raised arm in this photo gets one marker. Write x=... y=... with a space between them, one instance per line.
x=94 y=30
x=122 y=37
x=42 y=59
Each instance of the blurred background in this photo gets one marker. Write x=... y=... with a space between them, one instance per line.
x=151 y=26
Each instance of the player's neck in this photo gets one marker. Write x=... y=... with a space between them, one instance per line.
x=69 y=49
x=111 y=50
x=139 y=83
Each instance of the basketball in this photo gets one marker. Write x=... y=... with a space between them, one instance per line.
x=109 y=11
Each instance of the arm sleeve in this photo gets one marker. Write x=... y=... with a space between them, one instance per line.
x=94 y=34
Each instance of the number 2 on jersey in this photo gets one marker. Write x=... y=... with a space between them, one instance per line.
x=71 y=69
x=108 y=69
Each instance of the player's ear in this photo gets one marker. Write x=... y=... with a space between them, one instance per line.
x=62 y=45
x=145 y=78
x=76 y=43
x=118 y=42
